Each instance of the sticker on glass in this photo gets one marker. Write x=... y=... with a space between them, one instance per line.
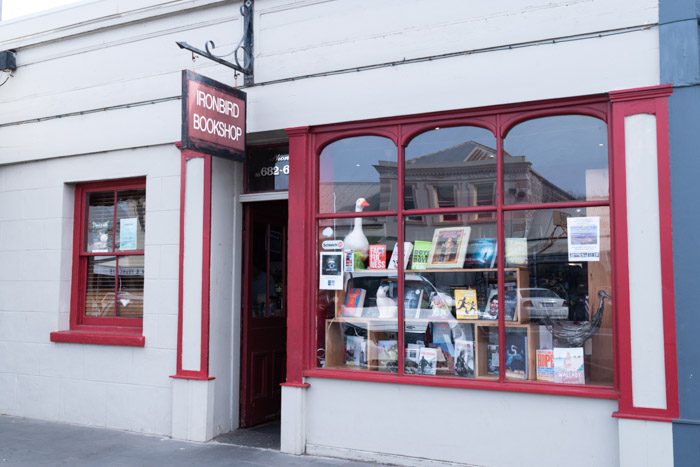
x=331 y=271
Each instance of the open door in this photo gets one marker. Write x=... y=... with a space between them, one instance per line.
x=264 y=314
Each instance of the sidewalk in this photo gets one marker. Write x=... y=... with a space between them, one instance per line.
x=36 y=443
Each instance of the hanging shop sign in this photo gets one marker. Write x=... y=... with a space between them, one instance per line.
x=213 y=117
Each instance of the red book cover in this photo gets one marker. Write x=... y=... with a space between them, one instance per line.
x=377 y=256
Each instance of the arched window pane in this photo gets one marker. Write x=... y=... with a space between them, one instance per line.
x=362 y=167
x=451 y=167
x=556 y=159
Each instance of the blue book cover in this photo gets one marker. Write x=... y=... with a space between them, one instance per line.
x=482 y=253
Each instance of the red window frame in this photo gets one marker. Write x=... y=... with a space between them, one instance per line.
x=401 y=130
x=305 y=144
x=87 y=329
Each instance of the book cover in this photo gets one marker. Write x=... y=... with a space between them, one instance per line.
x=449 y=247
x=516 y=353
x=492 y=363
x=481 y=253
x=355 y=351
x=466 y=304
x=511 y=301
x=516 y=252
x=464 y=358
x=413 y=298
x=442 y=337
x=490 y=311
x=421 y=252
x=412 y=357
x=349 y=259
x=394 y=261
x=354 y=301
x=387 y=355
x=377 y=256
x=568 y=365
x=427 y=361
x=545 y=365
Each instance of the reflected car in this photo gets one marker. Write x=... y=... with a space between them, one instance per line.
x=542 y=303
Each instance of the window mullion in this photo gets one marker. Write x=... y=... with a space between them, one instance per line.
x=400 y=326
x=500 y=240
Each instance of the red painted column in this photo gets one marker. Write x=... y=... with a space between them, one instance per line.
x=300 y=228
x=202 y=373
x=653 y=101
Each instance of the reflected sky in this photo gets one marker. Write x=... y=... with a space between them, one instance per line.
x=562 y=148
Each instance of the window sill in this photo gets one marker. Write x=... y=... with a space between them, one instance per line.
x=596 y=392
x=122 y=337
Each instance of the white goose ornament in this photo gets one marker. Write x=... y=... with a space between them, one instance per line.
x=386 y=305
x=356 y=239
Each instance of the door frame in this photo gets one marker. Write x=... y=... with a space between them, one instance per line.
x=245 y=320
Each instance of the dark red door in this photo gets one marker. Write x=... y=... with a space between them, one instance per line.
x=264 y=337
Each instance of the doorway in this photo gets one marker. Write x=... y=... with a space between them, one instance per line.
x=264 y=314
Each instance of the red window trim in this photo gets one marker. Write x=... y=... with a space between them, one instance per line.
x=93 y=330
x=307 y=142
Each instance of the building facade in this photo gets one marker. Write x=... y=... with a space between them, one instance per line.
x=152 y=287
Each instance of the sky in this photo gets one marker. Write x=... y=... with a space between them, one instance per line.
x=15 y=8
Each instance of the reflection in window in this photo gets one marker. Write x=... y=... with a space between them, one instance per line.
x=555 y=159
x=451 y=160
x=553 y=290
x=445 y=198
x=359 y=167
x=410 y=202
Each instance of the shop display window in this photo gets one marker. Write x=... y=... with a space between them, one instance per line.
x=416 y=285
x=108 y=257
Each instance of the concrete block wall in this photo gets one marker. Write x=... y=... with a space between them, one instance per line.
x=118 y=387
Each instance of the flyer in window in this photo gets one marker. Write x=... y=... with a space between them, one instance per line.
x=583 y=238
x=331 y=271
x=127 y=233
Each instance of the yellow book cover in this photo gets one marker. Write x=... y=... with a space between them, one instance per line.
x=465 y=303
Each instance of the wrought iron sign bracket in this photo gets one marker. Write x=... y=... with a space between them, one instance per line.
x=245 y=44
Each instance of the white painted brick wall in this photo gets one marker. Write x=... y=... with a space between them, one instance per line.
x=118 y=387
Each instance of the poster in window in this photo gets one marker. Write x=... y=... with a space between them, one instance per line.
x=449 y=247
x=127 y=233
x=99 y=240
x=583 y=238
x=331 y=271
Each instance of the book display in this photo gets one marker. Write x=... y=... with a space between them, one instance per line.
x=445 y=282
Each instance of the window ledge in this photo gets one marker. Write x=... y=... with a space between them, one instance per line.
x=532 y=387
x=124 y=338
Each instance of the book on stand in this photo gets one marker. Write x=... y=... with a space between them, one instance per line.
x=545 y=365
x=427 y=361
x=516 y=353
x=387 y=355
x=394 y=261
x=377 y=257
x=481 y=253
x=354 y=302
x=466 y=304
x=464 y=358
x=568 y=365
x=421 y=252
x=355 y=351
x=516 y=252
